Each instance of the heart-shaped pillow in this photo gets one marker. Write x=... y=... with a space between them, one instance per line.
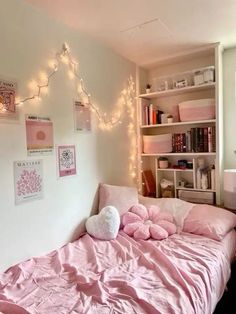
x=105 y=225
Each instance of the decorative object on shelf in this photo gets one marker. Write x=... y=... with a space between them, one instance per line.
x=182 y=183
x=39 y=135
x=7 y=99
x=66 y=160
x=197 y=110
x=163 y=162
x=230 y=188
x=167 y=188
x=28 y=180
x=148 y=88
x=82 y=117
x=182 y=163
x=203 y=76
x=170 y=118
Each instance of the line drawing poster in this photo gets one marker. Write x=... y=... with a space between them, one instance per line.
x=66 y=160
x=39 y=135
x=28 y=180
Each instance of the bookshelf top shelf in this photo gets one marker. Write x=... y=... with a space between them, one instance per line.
x=179 y=91
x=178 y=154
x=177 y=123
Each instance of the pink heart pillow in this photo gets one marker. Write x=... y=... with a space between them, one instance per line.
x=144 y=223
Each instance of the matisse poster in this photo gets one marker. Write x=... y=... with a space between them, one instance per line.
x=28 y=180
x=7 y=99
x=82 y=116
x=39 y=135
x=66 y=160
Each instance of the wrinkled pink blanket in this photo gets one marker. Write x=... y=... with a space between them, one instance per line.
x=182 y=274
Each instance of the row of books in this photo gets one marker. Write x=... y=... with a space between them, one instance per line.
x=196 y=140
x=151 y=115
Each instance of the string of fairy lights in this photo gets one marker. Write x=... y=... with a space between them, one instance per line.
x=125 y=102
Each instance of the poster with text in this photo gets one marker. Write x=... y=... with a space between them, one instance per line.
x=82 y=116
x=28 y=180
x=66 y=160
x=7 y=99
x=39 y=135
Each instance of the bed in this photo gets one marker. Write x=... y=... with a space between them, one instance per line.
x=185 y=273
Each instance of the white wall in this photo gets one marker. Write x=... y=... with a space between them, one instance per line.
x=28 y=40
x=229 y=103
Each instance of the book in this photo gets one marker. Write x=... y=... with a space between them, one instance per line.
x=149 y=183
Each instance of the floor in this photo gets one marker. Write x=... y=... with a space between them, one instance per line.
x=227 y=304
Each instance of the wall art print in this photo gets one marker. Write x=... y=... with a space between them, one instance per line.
x=82 y=116
x=39 y=135
x=66 y=160
x=28 y=180
x=7 y=99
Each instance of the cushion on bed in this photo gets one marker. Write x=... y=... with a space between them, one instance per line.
x=209 y=221
x=122 y=197
x=177 y=208
x=144 y=223
x=105 y=225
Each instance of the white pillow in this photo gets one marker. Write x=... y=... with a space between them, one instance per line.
x=179 y=209
x=105 y=225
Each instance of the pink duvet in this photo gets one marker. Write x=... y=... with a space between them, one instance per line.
x=182 y=274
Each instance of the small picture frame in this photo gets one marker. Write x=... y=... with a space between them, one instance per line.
x=82 y=116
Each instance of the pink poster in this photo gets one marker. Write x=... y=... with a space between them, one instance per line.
x=39 y=135
x=66 y=160
x=28 y=180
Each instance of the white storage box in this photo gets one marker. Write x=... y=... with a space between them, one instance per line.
x=194 y=110
x=154 y=144
x=197 y=197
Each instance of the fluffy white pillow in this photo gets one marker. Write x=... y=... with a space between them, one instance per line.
x=105 y=225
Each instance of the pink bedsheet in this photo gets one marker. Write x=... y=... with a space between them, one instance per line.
x=182 y=274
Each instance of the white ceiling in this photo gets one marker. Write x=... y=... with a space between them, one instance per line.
x=167 y=27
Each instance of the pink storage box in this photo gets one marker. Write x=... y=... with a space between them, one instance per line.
x=154 y=144
x=194 y=110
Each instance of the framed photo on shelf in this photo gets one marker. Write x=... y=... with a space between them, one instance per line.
x=66 y=160
x=82 y=116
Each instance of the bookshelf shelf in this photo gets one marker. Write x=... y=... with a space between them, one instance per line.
x=192 y=189
x=178 y=154
x=174 y=92
x=176 y=170
x=177 y=124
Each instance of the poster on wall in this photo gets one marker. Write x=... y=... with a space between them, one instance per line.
x=39 y=135
x=28 y=180
x=82 y=116
x=66 y=160
x=7 y=99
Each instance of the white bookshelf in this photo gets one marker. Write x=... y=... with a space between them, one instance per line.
x=168 y=99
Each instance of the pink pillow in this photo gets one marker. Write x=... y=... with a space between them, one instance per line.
x=121 y=197
x=143 y=223
x=209 y=221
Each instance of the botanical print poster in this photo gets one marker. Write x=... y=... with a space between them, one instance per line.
x=7 y=99
x=82 y=116
x=66 y=160
x=39 y=135
x=28 y=180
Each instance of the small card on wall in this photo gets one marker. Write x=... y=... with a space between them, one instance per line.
x=39 y=135
x=66 y=160
x=82 y=116
x=7 y=99
x=28 y=180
